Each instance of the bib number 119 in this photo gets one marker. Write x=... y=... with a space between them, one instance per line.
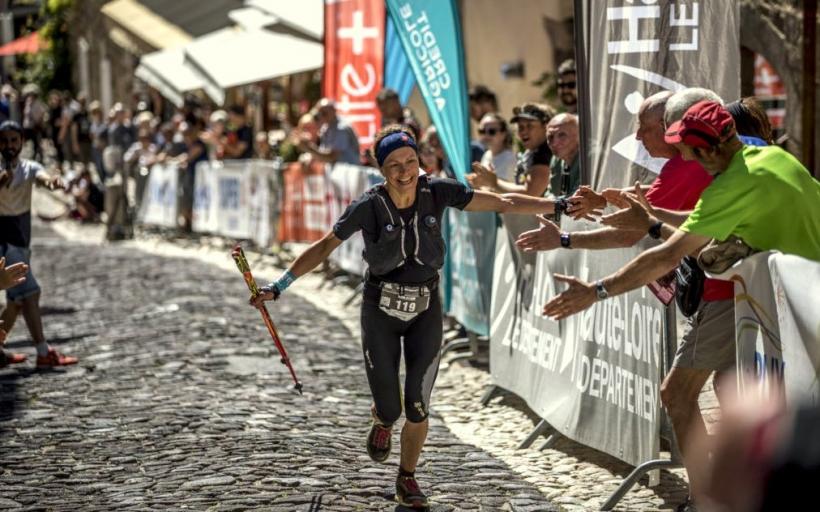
x=406 y=306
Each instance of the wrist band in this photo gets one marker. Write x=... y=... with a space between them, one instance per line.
x=284 y=281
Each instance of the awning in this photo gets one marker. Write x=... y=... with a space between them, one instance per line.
x=250 y=18
x=26 y=44
x=306 y=16
x=151 y=28
x=231 y=57
x=167 y=72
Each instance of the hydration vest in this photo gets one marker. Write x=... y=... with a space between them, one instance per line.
x=387 y=252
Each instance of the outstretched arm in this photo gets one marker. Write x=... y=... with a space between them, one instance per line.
x=304 y=263
x=646 y=267
x=509 y=203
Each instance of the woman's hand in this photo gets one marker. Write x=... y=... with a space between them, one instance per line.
x=483 y=177
x=265 y=293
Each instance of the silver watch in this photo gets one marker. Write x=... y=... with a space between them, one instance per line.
x=600 y=290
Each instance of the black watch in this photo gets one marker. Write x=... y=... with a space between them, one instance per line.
x=566 y=243
x=655 y=230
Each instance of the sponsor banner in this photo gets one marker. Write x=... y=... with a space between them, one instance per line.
x=159 y=204
x=594 y=376
x=206 y=204
x=631 y=50
x=776 y=324
x=262 y=200
x=354 y=62
x=472 y=253
x=348 y=183
x=430 y=32
x=306 y=205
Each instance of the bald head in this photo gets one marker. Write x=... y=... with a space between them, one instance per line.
x=651 y=127
x=562 y=136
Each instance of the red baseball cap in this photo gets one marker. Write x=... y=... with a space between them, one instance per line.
x=704 y=125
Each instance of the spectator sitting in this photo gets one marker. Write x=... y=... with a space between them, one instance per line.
x=337 y=140
x=239 y=140
x=532 y=175
x=565 y=166
x=88 y=198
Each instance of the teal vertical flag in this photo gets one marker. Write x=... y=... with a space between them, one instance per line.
x=430 y=32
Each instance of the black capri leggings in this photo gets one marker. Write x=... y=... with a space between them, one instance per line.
x=381 y=344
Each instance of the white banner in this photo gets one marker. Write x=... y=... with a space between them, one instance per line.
x=777 y=324
x=348 y=182
x=159 y=203
x=594 y=376
x=206 y=206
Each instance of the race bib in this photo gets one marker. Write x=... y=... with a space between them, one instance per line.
x=404 y=302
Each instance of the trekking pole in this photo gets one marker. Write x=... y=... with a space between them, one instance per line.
x=242 y=264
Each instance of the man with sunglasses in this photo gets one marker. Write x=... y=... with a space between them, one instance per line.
x=567 y=90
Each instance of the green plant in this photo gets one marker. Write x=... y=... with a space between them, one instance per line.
x=50 y=68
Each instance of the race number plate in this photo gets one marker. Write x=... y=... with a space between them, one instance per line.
x=404 y=302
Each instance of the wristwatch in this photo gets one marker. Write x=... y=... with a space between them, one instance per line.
x=655 y=230
x=566 y=243
x=600 y=290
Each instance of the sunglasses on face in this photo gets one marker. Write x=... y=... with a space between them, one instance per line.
x=489 y=131
x=566 y=85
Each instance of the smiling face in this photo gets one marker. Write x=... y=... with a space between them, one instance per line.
x=401 y=170
x=11 y=143
x=562 y=137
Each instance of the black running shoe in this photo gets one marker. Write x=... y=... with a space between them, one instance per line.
x=409 y=494
x=379 y=441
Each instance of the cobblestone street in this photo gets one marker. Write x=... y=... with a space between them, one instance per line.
x=180 y=402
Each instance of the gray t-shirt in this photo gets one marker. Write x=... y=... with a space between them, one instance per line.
x=339 y=136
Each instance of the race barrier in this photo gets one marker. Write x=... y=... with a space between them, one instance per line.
x=306 y=202
x=594 y=376
x=236 y=199
x=159 y=203
x=777 y=328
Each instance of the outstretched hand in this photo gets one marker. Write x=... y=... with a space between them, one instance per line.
x=545 y=238
x=637 y=216
x=615 y=197
x=586 y=204
x=12 y=275
x=577 y=297
x=482 y=176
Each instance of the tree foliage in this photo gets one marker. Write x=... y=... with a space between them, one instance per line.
x=51 y=67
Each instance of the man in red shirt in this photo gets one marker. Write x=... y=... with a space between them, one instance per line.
x=708 y=342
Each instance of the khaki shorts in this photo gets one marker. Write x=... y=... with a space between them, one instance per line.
x=709 y=339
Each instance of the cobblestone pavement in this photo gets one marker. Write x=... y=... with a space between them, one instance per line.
x=179 y=402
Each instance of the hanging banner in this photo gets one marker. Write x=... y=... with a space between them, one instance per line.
x=595 y=376
x=159 y=203
x=354 y=62
x=397 y=72
x=631 y=50
x=430 y=31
